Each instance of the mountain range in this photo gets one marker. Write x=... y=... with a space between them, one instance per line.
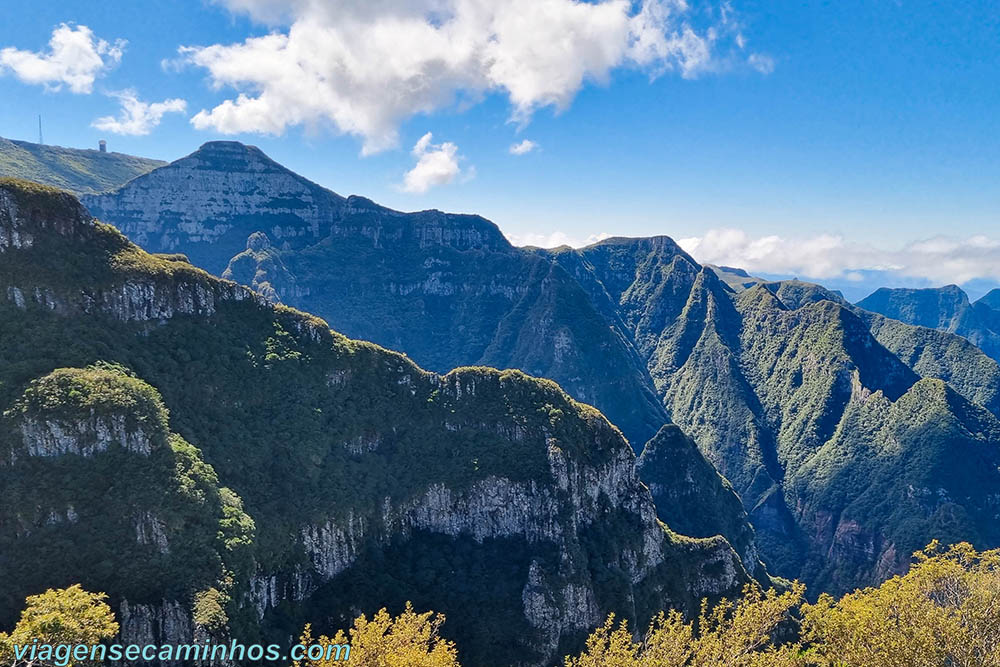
x=224 y=466
x=287 y=472
x=852 y=439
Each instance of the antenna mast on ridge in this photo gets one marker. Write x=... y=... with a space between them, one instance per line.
x=40 y=140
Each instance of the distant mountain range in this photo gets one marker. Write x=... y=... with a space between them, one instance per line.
x=853 y=439
x=946 y=309
x=75 y=170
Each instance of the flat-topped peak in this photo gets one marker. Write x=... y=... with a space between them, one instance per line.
x=231 y=156
x=933 y=307
x=227 y=147
x=659 y=240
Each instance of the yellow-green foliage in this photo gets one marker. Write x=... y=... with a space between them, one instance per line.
x=409 y=640
x=65 y=616
x=209 y=609
x=945 y=611
x=736 y=634
x=75 y=393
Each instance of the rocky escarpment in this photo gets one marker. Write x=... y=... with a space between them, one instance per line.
x=85 y=413
x=51 y=438
x=762 y=380
x=27 y=210
x=385 y=228
x=179 y=206
x=448 y=290
x=324 y=477
x=49 y=230
x=260 y=267
x=771 y=383
x=208 y=203
x=493 y=305
x=929 y=459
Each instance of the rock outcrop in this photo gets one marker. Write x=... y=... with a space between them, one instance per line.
x=179 y=206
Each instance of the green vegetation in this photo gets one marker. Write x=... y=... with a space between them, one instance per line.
x=770 y=379
x=75 y=170
x=739 y=634
x=942 y=612
x=139 y=524
x=73 y=395
x=937 y=354
x=851 y=439
x=69 y=616
x=446 y=307
x=816 y=412
x=408 y=640
x=692 y=497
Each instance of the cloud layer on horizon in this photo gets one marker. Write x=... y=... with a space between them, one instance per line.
x=555 y=239
x=329 y=63
x=935 y=261
x=940 y=259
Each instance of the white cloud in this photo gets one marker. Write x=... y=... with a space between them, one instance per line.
x=362 y=68
x=555 y=239
x=75 y=59
x=523 y=147
x=137 y=117
x=940 y=259
x=437 y=164
x=761 y=62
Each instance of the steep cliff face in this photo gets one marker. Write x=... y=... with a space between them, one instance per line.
x=261 y=268
x=991 y=299
x=448 y=290
x=353 y=479
x=894 y=472
x=941 y=355
x=693 y=498
x=768 y=379
x=447 y=307
x=210 y=201
x=98 y=489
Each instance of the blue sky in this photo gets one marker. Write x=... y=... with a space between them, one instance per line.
x=815 y=138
